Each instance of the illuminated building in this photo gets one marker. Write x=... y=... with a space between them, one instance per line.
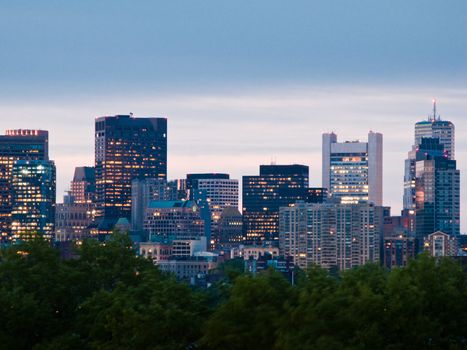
x=221 y=192
x=332 y=235
x=276 y=186
x=83 y=185
x=15 y=145
x=72 y=220
x=173 y=220
x=126 y=148
x=353 y=171
x=143 y=191
x=437 y=185
x=33 y=199
x=433 y=127
x=440 y=244
x=230 y=228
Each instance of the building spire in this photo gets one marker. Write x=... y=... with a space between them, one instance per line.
x=434 y=109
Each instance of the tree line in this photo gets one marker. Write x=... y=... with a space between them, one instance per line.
x=109 y=298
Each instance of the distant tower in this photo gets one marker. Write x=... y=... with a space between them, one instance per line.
x=353 y=171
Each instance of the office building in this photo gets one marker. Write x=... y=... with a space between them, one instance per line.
x=230 y=228
x=437 y=185
x=398 y=251
x=143 y=191
x=33 y=199
x=353 y=170
x=83 y=185
x=173 y=220
x=276 y=186
x=126 y=148
x=434 y=128
x=16 y=145
x=73 y=219
x=332 y=235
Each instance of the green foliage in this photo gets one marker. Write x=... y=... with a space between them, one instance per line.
x=108 y=298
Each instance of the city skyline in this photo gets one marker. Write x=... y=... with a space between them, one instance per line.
x=188 y=154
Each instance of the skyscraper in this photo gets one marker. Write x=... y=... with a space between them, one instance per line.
x=437 y=188
x=276 y=186
x=433 y=127
x=33 y=187
x=353 y=171
x=16 y=145
x=126 y=148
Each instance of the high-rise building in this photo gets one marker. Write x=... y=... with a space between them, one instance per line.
x=398 y=250
x=276 y=186
x=33 y=189
x=83 y=185
x=353 y=171
x=174 y=220
x=126 y=148
x=437 y=185
x=433 y=127
x=440 y=244
x=331 y=235
x=143 y=191
x=16 y=145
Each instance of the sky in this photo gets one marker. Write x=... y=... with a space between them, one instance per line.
x=242 y=83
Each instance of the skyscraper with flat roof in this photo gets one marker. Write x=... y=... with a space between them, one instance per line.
x=33 y=188
x=353 y=170
x=20 y=144
x=276 y=186
x=126 y=148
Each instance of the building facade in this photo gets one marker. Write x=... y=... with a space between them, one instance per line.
x=439 y=244
x=33 y=188
x=332 y=235
x=17 y=145
x=173 y=220
x=437 y=200
x=276 y=186
x=126 y=148
x=83 y=185
x=353 y=171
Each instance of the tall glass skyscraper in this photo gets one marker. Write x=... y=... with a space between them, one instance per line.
x=33 y=199
x=433 y=127
x=353 y=171
x=126 y=148
x=16 y=145
x=276 y=186
x=437 y=191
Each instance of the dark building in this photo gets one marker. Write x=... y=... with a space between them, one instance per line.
x=316 y=195
x=437 y=188
x=16 y=145
x=230 y=232
x=126 y=148
x=33 y=199
x=276 y=186
x=398 y=251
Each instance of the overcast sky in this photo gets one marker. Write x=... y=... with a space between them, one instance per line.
x=241 y=82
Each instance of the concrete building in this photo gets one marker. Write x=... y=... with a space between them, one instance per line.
x=174 y=220
x=73 y=220
x=440 y=244
x=332 y=235
x=353 y=171
x=230 y=228
x=83 y=185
